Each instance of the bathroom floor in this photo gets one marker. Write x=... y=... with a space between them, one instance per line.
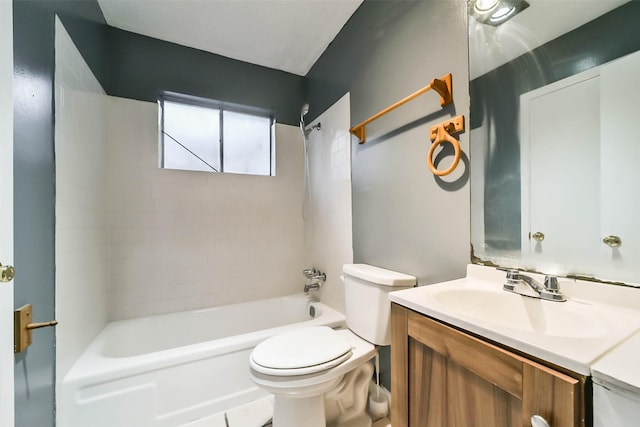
x=254 y=414
x=384 y=422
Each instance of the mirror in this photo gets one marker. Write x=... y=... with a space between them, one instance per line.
x=555 y=111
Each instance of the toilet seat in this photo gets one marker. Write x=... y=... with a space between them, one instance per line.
x=301 y=352
x=314 y=385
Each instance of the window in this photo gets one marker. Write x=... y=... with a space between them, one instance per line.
x=205 y=135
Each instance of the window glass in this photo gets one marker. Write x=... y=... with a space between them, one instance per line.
x=205 y=135
x=191 y=137
x=247 y=143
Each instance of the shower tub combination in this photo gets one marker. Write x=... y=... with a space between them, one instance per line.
x=170 y=370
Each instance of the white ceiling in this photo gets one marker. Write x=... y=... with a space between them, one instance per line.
x=288 y=35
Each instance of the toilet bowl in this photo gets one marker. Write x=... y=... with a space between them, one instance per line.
x=299 y=383
x=299 y=367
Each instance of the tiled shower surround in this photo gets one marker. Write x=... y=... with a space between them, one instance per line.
x=180 y=240
x=82 y=233
x=328 y=233
x=134 y=240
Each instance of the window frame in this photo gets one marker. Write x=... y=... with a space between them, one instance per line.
x=221 y=106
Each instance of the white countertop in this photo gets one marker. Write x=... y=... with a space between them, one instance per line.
x=620 y=367
x=573 y=335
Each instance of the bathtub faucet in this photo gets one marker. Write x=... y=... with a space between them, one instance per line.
x=316 y=279
x=311 y=287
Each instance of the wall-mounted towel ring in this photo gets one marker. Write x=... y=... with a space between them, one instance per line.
x=439 y=135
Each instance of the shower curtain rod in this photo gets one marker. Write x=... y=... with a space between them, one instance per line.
x=443 y=86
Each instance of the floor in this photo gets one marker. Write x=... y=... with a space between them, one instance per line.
x=254 y=414
x=384 y=422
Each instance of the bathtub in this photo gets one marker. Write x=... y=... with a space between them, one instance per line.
x=174 y=369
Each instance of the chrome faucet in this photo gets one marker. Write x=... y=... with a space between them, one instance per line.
x=525 y=285
x=315 y=277
x=311 y=287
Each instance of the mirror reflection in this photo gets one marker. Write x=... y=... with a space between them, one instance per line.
x=554 y=114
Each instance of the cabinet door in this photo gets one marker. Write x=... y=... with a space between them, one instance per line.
x=445 y=393
x=447 y=378
x=557 y=397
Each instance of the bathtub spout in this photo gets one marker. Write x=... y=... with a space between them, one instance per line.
x=316 y=278
x=311 y=287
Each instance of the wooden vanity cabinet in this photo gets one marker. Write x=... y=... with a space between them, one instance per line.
x=444 y=377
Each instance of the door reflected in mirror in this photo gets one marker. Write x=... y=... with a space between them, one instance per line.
x=555 y=103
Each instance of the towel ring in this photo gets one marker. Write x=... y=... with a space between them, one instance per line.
x=443 y=136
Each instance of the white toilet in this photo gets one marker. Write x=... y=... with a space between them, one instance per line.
x=298 y=367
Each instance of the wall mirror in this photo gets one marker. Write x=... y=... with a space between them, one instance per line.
x=555 y=119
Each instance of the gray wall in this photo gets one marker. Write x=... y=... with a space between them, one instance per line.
x=34 y=189
x=141 y=67
x=404 y=218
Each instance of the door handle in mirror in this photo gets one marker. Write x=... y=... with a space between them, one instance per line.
x=612 y=241
x=537 y=236
x=7 y=273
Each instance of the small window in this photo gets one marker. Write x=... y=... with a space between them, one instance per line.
x=205 y=135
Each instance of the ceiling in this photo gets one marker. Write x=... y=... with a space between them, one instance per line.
x=288 y=35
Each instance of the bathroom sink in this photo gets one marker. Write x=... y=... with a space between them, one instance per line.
x=572 y=334
x=567 y=319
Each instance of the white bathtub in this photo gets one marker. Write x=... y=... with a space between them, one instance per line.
x=172 y=369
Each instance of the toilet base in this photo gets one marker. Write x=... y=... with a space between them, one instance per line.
x=308 y=412
x=363 y=420
x=290 y=412
x=299 y=400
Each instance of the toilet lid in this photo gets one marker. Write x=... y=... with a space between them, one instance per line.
x=300 y=352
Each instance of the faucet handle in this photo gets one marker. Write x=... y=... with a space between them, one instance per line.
x=512 y=273
x=513 y=277
x=551 y=283
x=319 y=276
x=551 y=290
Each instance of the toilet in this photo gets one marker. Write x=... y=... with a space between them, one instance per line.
x=300 y=367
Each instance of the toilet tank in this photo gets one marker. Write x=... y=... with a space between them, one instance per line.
x=367 y=305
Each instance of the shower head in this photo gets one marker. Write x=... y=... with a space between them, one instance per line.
x=303 y=112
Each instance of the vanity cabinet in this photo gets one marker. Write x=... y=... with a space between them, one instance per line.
x=444 y=377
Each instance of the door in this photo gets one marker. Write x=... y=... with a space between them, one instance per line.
x=561 y=217
x=6 y=211
x=34 y=207
x=620 y=95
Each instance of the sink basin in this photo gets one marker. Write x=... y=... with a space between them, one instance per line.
x=567 y=319
x=572 y=334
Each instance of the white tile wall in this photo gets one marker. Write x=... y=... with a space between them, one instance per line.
x=81 y=220
x=134 y=240
x=181 y=240
x=329 y=234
